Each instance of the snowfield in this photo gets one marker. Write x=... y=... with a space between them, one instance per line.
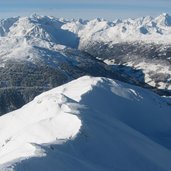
x=92 y=123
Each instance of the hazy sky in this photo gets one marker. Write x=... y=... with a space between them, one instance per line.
x=109 y=9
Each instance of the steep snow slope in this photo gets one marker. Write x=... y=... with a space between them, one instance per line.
x=96 y=124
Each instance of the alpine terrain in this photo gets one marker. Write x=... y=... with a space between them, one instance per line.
x=42 y=52
x=90 y=95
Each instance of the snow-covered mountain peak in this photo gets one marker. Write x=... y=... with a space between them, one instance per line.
x=30 y=27
x=35 y=16
x=53 y=30
x=46 y=31
x=163 y=20
x=42 y=30
x=96 y=124
x=117 y=21
x=143 y=21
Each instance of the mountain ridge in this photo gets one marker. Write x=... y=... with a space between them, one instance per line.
x=75 y=124
x=140 y=26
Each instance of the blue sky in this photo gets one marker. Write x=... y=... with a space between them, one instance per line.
x=108 y=9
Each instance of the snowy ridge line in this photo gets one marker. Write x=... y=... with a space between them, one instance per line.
x=51 y=29
x=111 y=125
x=52 y=124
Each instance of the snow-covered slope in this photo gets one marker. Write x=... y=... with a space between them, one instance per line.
x=91 y=124
x=20 y=39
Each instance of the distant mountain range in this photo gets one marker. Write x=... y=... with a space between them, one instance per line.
x=41 y=52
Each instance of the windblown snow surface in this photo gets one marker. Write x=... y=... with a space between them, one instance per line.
x=89 y=124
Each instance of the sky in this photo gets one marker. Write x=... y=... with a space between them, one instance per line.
x=86 y=9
